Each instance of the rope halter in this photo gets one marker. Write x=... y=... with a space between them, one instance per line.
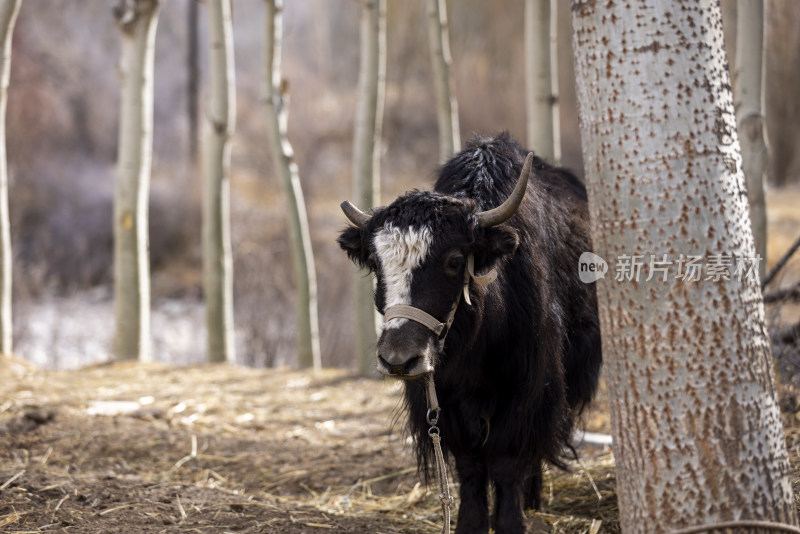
x=403 y=311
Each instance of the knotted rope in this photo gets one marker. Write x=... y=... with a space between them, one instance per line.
x=441 y=467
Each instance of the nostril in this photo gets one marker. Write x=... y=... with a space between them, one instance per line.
x=383 y=362
x=411 y=363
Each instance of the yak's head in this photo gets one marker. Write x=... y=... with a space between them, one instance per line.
x=418 y=248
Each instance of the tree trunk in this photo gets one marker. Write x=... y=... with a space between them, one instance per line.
x=277 y=104
x=366 y=162
x=446 y=103
x=193 y=78
x=8 y=16
x=781 y=105
x=729 y=21
x=217 y=255
x=137 y=22
x=696 y=426
x=541 y=78
x=747 y=83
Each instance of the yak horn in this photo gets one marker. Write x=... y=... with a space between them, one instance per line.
x=355 y=215
x=505 y=210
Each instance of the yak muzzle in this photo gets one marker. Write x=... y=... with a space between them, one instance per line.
x=404 y=353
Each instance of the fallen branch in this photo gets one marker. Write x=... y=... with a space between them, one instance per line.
x=778 y=266
x=787 y=334
x=780 y=295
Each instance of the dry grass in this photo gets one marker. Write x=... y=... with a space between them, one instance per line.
x=134 y=447
x=151 y=448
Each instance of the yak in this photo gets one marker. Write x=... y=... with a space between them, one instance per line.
x=514 y=361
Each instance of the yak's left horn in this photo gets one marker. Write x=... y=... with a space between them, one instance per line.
x=504 y=211
x=355 y=215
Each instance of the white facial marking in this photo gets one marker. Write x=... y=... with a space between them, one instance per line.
x=399 y=252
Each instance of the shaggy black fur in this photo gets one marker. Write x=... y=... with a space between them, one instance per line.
x=522 y=362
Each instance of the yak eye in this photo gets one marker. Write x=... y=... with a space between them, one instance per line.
x=453 y=263
x=372 y=263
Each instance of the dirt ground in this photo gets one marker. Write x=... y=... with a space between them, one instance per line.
x=132 y=447
x=149 y=448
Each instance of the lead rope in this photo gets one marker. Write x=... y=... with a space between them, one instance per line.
x=441 y=329
x=441 y=468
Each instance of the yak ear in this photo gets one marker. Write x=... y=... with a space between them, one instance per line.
x=498 y=242
x=351 y=240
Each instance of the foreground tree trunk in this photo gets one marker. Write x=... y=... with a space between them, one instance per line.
x=137 y=22
x=8 y=16
x=446 y=103
x=748 y=78
x=541 y=79
x=366 y=162
x=277 y=104
x=217 y=255
x=696 y=426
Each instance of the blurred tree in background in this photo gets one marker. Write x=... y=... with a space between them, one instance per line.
x=276 y=101
x=748 y=80
x=367 y=144
x=219 y=128
x=441 y=65
x=8 y=16
x=541 y=78
x=137 y=21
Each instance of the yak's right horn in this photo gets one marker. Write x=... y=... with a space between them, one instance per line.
x=353 y=214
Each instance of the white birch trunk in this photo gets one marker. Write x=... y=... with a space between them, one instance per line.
x=366 y=162
x=217 y=254
x=137 y=22
x=441 y=60
x=277 y=107
x=541 y=79
x=747 y=83
x=696 y=426
x=8 y=16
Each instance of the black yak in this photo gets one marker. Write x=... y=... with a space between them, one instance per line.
x=522 y=356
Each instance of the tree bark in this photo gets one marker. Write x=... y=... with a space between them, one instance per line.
x=217 y=255
x=696 y=425
x=137 y=21
x=366 y=162
x=8 y=17
x=541 y=79
x=446 y=103
x=277 y=107
x=748 y=81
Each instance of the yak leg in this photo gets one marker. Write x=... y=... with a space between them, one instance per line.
x=533 y=488
x=473 y=512
x=508 y=482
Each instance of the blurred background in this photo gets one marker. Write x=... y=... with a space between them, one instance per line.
x=62 y=148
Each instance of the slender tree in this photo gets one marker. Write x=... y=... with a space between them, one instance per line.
x=137 y=21
x=8 y=16
x=193 y=76
x=366 y=160
x=221 y=115
x=696 y=426
x=748 y=77
x=446 y=103
x=277 y=107
x=541 y=78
